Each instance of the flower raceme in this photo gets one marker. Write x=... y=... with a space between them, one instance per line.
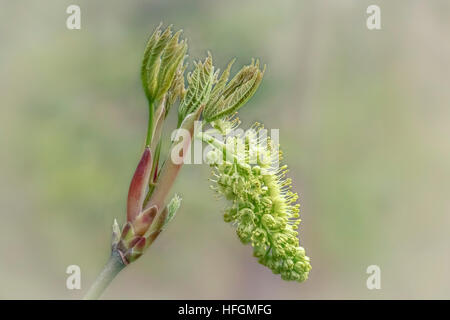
x=263 y=208
x=163 y=63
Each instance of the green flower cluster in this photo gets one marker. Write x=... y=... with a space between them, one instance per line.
x=263 y=207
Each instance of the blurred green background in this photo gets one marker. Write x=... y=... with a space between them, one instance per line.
x=364 y=125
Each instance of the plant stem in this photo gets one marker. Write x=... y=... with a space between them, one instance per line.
x=150 y=123
x=109 y=272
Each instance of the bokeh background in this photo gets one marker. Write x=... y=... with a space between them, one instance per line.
x=363 y=118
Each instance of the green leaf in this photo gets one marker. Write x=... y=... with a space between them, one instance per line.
x=163 y=56
x=200 y=84
x=227 y=99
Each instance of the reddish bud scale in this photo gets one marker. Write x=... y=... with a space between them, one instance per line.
x=138 y=185
x=144 y=220
x=134 y=241
x=152 y=237
x=155 y=175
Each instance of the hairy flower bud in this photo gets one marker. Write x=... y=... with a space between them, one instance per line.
x=163 y=59
x=200 y=83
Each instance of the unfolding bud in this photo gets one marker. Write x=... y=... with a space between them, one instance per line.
x=163 y=56
x=226 y=98
x=138 y=185
x=200 y=83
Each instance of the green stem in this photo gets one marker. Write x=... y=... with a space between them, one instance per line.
x=109 y=272
x=150 y=124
